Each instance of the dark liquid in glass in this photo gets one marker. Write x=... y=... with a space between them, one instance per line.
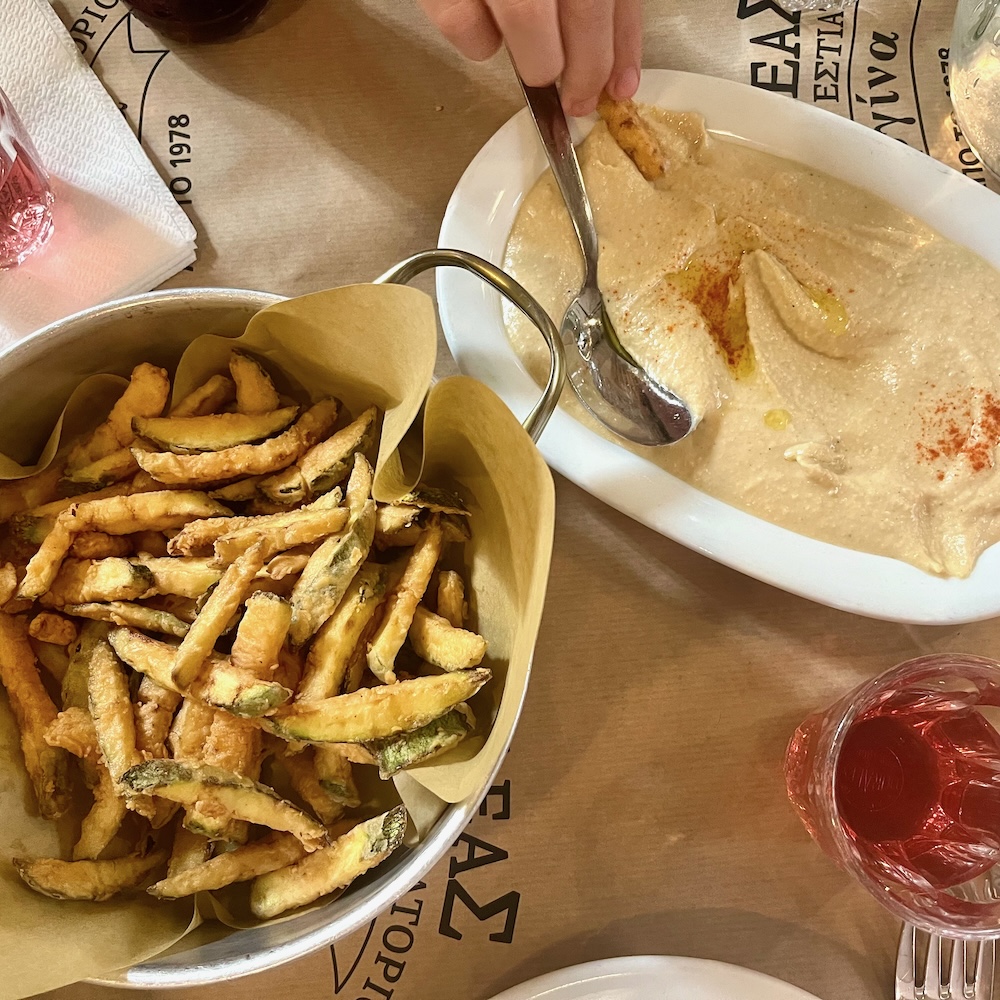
x=198 y=20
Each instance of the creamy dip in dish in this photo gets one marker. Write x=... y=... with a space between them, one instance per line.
x=843 y=357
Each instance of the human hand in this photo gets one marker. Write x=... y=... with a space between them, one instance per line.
x=588 y=45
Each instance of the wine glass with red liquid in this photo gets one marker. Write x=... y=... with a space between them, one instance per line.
x=899 y=782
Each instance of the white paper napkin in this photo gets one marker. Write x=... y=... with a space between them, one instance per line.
x=118 y=229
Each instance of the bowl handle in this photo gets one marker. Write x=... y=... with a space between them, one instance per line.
x=408 y=269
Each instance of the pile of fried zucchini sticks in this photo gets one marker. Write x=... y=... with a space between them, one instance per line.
x=196 y=601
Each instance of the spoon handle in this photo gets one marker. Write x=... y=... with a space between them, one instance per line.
x=553 y=130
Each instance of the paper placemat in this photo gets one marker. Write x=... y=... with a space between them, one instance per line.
x=641 y=808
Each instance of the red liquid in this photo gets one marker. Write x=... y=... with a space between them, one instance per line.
x=198 y=20
x=918 y=786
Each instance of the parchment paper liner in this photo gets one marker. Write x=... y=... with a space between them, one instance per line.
x=363 y=344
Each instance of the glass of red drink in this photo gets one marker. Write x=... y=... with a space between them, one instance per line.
x=198 y=20
x=899 y=782
x=25 y=195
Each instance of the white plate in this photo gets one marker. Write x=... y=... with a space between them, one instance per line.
x=655 y=977
x=479 y=217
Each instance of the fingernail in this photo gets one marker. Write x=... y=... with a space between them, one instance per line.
x=626 y=83
x=580 y=109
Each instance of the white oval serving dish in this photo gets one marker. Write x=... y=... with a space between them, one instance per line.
x=479 y=217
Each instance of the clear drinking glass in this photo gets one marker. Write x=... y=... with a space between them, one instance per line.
x=899 y=783
x=974 y=74
x=25 y=195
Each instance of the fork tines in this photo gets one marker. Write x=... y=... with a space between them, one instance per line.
x=929 y=967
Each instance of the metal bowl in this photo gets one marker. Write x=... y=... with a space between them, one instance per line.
x=37 y=375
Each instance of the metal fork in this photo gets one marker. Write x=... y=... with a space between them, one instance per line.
x=931 y=968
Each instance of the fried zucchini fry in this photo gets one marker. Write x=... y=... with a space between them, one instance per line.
x=396 y=753
x=329 y=869
x=209 y=397
x=633 y=135
x=49 y=627
x=146 y=395
x=336 y=775
x=301 y=770
x=99 y=545
x=190 y=577
x=190 y=730
x=244 y=459
x=154 y=711
x=75 y=692
x=84 y=581
x=402 y=603
x=149 y=543
x=219 y=685
x=279 y=532
x=34 y=712
x=99 y=826
x=102 y=472
x=220 y=607
x=93 y=880
x=329 y=573
x=189 y=852
x=442 y=645
x=330 y=652
x=451 y=598
x=261 y=634
x=135 y=615
x=213 y=432
x=372 y=713
x=73 y=730
x=255 y=392
x=273 y=851
x=220 y=792
x=111 y=710
x=325 y=464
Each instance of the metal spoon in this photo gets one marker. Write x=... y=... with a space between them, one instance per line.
x=605 y=376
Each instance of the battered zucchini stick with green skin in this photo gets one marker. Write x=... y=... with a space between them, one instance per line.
x=91 y=880
x=402 y=603
x=34 y=712
x=336 y=775
x=396 y=753
x=273 y=851
x=261 y=634
x=244 y=459
x=376 y=712
x=330 y=652
x=133 y=615
x=451 y=598
x=301 y=770
x=214 y=432
x=180 y=577
x=325 y=464
x=211 y=788
x=329 y=869
x=219 y=685
x=220 y=607
x=329 y=573
x=85 y=581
